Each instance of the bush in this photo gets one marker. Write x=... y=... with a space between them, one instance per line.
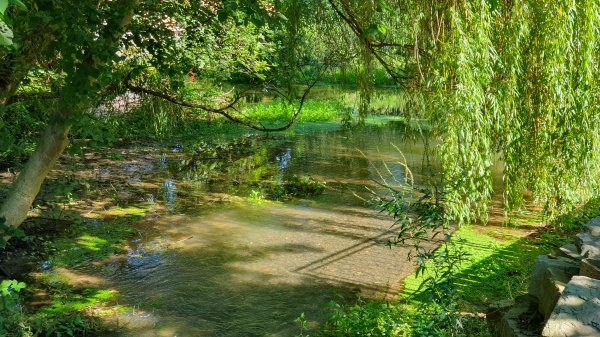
x=13 y=321
x=368 y=319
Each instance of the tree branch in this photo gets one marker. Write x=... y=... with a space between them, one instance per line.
x=347 y=17
x=223 y=111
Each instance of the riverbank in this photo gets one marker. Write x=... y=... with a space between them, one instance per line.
x=106 y=220
x=139 y=239
x=496 y=270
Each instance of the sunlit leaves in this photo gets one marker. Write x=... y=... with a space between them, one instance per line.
x=6 y=33
x=9 y=286
x=517 y=80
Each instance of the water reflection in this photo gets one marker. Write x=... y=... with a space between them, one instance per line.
x=236 y=268
x=283 y=159
x=163 y=161
x=170 y=193
x=176 y=148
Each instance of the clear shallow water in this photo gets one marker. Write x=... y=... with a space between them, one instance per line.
x=208 y=262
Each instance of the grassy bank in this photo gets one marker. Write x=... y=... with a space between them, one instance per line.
x=77 y=222
x=499 y=261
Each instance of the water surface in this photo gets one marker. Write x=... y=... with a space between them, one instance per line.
x=211 y=262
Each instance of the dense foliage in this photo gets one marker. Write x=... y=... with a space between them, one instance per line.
x=518 y=80
x=504 y=81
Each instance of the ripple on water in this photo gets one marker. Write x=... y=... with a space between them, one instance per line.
x=250 y=270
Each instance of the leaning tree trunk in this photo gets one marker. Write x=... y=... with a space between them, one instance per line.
x=53 y=142
x=55 y=137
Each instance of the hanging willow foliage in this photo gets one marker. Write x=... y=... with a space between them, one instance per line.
x=518 y=80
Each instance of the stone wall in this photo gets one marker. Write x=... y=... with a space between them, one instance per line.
x=563 y=297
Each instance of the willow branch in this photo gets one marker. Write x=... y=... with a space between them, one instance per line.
x=350 y=21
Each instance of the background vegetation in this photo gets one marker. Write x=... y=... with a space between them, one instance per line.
x=515 y=81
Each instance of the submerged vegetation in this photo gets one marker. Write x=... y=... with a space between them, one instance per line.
x=293 y=187
x=502 y=96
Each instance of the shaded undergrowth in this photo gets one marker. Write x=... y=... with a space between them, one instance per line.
x=50 y=304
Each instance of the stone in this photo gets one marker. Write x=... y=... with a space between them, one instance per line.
x=577 y=312
x=520 y=320
x=495 y=311
x=570 y=251
x=590 y=268
x=551 y=287
x=542 y=263
x=593 y=226
x=588 y=244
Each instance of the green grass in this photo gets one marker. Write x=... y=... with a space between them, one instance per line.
x=71 y=301
x=279 y=111
x=349 y=77
x=495 y=269
x=90 y=242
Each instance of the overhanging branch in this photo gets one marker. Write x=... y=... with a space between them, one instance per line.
x=224 y=110
x=347 y=17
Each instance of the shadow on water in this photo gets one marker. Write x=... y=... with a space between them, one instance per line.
x=232 y=275
x=230 y=267
x=209 y=291
x=240 y=269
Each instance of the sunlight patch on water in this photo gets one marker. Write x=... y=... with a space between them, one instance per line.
x=208 y=263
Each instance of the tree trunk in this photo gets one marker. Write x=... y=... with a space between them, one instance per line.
x=24 y=190
x=55 y=137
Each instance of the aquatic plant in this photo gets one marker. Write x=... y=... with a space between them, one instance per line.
x=293 y=187
x=256 y=196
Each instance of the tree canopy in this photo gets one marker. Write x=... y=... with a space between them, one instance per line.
x=515 y=81
x=518 y=80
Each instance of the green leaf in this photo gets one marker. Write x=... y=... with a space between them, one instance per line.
x=281 y=16
x=17 y=286
x=3 y=5
x=6 y=34
x=18 y=3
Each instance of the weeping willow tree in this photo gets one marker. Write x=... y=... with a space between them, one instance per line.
x=519 y=80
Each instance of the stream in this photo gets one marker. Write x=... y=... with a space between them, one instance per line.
x=209 y=261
